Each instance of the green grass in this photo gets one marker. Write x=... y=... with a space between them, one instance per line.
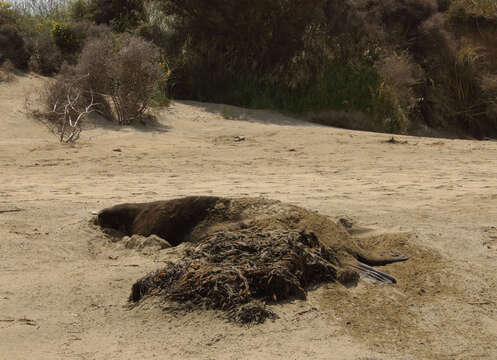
x=160 y=99
x=342 y=87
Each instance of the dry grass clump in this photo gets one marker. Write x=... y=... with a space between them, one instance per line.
x=467 y=103
x=237 y=271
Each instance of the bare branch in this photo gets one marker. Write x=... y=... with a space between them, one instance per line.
x=68 y=110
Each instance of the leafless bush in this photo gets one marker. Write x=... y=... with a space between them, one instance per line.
x=135 y=75
x=66 y=107
x=95 y=60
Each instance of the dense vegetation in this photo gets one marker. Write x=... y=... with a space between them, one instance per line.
x=401 y=64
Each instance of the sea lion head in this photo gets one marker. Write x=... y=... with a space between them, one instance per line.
x=119 y=217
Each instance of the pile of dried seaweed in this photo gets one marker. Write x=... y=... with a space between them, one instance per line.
x=231 y=270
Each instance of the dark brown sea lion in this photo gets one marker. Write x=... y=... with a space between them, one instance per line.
x=173 y=220
x=189 y=218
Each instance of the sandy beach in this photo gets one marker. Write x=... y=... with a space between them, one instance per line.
x=64 y=284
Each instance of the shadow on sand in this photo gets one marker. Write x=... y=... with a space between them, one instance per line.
x=150 y=124
x=262 y=116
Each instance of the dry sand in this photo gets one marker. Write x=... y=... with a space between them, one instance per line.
x=64 y=285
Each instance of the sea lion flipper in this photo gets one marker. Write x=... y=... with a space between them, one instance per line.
x=376 y=274
x=377 y=260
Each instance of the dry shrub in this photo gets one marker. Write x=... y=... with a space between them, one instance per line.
x=156 y=27
x=395 y=21
x=121 y=14
x=458 y=96
x=454 y=93
x=274 y=54
x=6 y=71
x=128 y=71
x=272 y=32
x=66 y=106
x=67 y=39
x=478 y=14
x=470 y=104
x=402 y=75
x=489 y=86
x=407 y=13
x=95 y=60
x=89 y=31
x=277 y=43
x=443 y=5
x=135 y=74
x=286 y=56
x=435 y=38
x=12 y=46
x=80 y=10
x=46 y=58
x=389 y=113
